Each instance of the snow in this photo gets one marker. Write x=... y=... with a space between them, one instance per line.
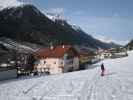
x=80 y=85
x=75 y=27
x=58 y=17
x=37 y=11
x=53 y=17
x=14 y=45
x=9 y=3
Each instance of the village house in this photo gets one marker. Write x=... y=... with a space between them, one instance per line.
x=119 y=52
x=87 y=57
x=103 y=54
x=24 y=63
x=54 y=60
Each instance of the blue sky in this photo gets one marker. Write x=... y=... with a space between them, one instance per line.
x=103 y=19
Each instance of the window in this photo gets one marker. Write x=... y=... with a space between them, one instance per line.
x=44 y=62
x=66 y=56
x=48 y=65
x=61 y=63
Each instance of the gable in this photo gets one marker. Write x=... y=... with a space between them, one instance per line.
x=57 y=52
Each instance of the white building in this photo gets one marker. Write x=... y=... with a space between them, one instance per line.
x=57 y=60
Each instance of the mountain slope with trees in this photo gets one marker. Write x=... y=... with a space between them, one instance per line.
x=27 y=24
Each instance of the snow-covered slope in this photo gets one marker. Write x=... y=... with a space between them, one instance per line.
x=58 y=17
x=54 y=17
x=13 y=45
x=75 y=27
x=117 y=84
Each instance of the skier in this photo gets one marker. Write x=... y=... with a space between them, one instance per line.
x=102 y=69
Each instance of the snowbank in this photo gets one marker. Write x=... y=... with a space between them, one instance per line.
x=80 y=85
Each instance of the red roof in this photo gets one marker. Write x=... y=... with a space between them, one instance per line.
x=56 y=52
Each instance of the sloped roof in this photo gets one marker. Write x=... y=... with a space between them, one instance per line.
x=56 y=52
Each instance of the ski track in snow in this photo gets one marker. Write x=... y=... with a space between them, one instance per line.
x=117 y=84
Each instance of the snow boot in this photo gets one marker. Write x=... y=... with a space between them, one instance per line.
x=102 y=73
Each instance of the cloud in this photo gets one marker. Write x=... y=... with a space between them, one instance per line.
x=9 y=3
x=121 y=42
x=56 y=10
x=103 y=38
x=109 y=40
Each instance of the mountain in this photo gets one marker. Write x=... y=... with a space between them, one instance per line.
x=55 y=17
x=84 y=37
x=9 y=44
x=26 y=24
x=10 y=3
x=130 y=45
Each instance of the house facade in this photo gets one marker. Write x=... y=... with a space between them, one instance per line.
x=56 y=60
x=103 y=54
x=88 y=57
x=24 y=63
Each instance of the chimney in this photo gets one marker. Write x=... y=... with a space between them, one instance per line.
x=63 y=46
x=51 y=47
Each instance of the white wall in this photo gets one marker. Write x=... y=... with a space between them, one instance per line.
x=74 y=65
x=51 y=63
x=57 y=65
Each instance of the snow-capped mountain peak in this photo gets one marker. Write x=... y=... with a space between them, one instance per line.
x=75 y=27
x=54 y=17
x=9 y=3
x=58 y=17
